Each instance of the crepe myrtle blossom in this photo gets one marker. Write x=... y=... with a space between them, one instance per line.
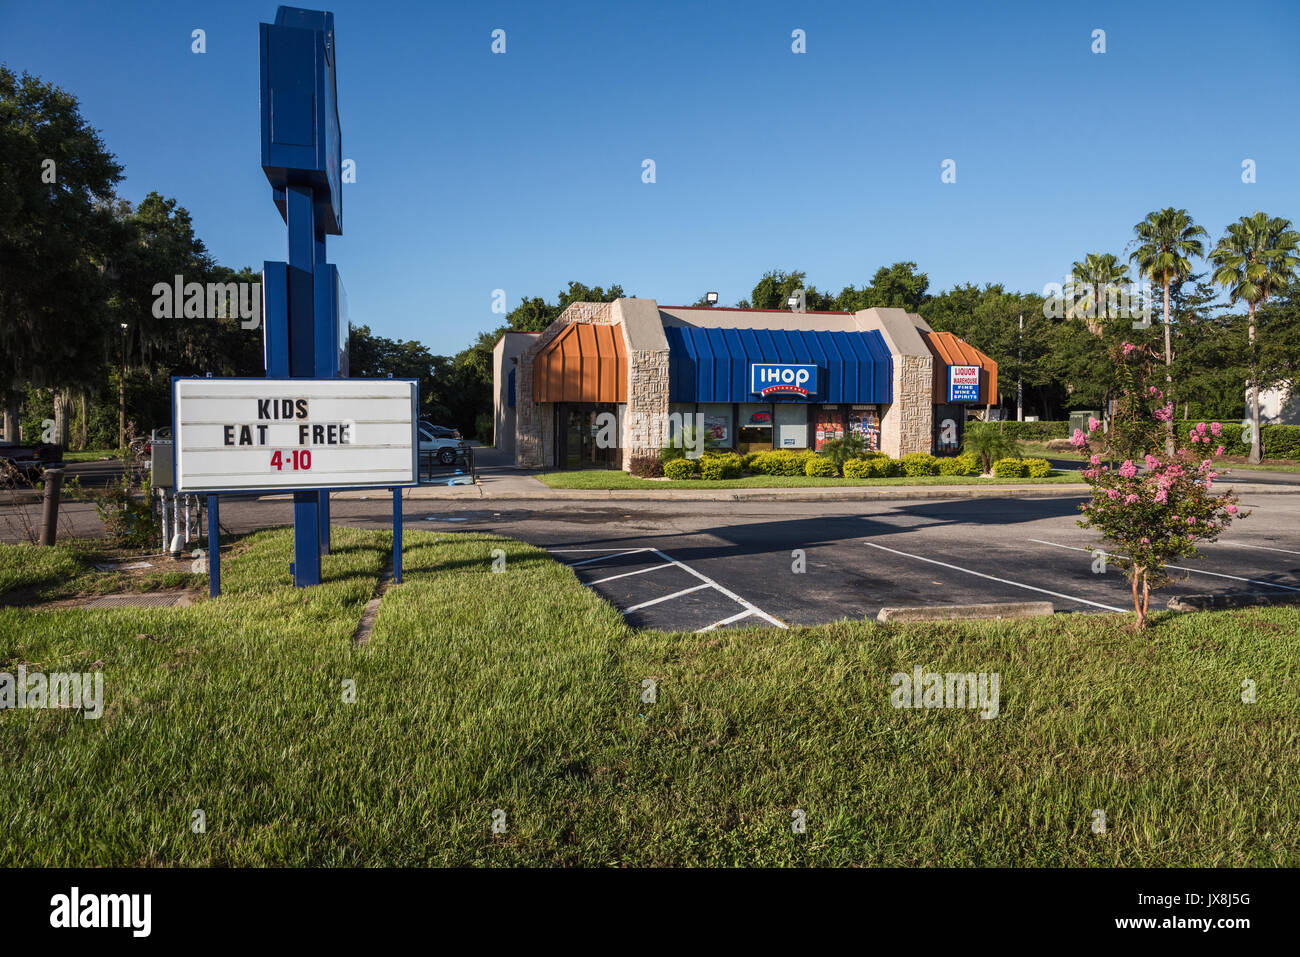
x=1154 y=518
x=1078 y=439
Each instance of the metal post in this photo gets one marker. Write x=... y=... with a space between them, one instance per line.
x=300 y=220
x=397 y=535
x=50 y=514
x=214 y=548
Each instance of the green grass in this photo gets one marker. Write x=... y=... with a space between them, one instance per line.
x=615 y=479
x=92 y=455
x=520 y=691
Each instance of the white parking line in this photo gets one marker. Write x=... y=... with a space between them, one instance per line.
x=1265 y=548
x=669 y=561
x=639 y=571
x=726 y=591
x=655 y=601
x=604 y=558
x=1005 y=581
x=1182 y=568
x=726 y=621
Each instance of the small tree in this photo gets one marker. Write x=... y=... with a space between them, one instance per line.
x=839 y=451
x=1155 y=512
x=989 y=444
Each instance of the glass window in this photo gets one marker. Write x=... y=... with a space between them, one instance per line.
x=755 y=428
x=828 y=423
x=791 y=425
x=864 y=420
x=717 y=424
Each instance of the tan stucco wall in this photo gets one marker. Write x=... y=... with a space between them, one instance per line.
x=646 y=417
x=905 y=423
x=509 y=346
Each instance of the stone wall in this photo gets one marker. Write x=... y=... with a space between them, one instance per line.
x=534 y=421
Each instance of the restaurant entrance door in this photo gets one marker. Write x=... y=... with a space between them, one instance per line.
x=584 y=436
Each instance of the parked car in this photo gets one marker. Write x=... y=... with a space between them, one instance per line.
x=443 y=442
x=29 y=460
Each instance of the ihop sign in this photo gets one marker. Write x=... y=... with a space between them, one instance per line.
x=781 y=378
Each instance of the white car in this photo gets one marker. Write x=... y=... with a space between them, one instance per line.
x=443 y=442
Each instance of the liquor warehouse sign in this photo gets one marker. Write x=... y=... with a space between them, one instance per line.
x=963 y=383
x=256 y=434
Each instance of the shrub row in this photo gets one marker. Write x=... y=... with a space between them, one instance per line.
x=729 y=465
x=1025 y=431
x=1278 y=441
x=1022 y=468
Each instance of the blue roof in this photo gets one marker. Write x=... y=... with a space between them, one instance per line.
x=712 y=365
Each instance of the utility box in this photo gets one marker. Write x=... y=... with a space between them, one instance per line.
x=1079 y=420
x=160 y=462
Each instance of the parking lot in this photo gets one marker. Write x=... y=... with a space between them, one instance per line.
x=693 y=566
x=708 y=565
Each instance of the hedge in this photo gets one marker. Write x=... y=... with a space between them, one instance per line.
x=1278 y=441
x=1026 y=431
x=1037 y=468
x=1010 y=468
x=820 y=467
x=679 y=469
x=919 y=463
x=724 y=466
x=964 y=464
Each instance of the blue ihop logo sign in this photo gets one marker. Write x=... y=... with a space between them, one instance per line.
x=781 y=378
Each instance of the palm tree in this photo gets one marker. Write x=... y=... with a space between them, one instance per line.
x=1167 y=239
x=1096 y=275
x=1255 y=258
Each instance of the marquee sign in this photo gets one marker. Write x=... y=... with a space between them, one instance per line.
x=963 y=383
x=780 y=378
x=236 y=435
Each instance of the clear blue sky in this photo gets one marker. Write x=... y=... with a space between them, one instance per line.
x=522 y=171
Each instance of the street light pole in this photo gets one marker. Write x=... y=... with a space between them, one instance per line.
x=1020 y=395
x=121 y=396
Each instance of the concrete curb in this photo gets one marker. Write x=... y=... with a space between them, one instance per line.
x=997 y=610
x=857 y=494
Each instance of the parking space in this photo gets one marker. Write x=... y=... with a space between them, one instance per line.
x=654 y=590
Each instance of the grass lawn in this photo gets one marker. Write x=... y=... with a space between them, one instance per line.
x=520 y=691
x=92 y=455
x=616 y=479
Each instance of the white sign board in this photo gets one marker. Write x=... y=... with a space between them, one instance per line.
x=264 y=434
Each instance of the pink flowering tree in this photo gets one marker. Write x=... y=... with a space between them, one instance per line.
x=1154 y=508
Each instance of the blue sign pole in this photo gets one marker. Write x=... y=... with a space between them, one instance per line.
x=214 y=548
x=302 y=157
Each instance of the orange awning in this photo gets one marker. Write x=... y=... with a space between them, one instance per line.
x=584 y=363
x=948 y=350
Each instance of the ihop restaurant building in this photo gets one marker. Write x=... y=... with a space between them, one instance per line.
x=760 y=379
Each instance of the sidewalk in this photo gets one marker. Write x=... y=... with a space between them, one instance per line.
x=498 y=479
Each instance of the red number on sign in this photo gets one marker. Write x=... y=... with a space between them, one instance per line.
x=277 y=463
x=306 y=459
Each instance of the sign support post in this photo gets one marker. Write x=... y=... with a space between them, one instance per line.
x=214 y=548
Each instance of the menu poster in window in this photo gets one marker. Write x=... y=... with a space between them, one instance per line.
x=866 y=423
x=717 y=430
x=828 y=425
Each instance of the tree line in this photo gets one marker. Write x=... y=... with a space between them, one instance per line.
x=82 y=346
